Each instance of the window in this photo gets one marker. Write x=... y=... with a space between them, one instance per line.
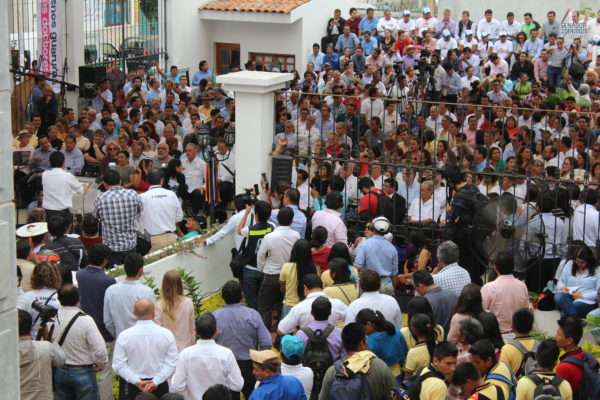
x=267 y=62
x=116 y=12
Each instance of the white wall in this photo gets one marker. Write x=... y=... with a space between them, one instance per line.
x=187 y=42
x=539 y=9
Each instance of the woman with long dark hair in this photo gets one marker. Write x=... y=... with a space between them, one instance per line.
x=344 y=287
x=421 y=355
x=339 y=250
x=420 y=305
x=174 y=180
x=320 y=252
x=139 y=178
x=384 y=339
x=578 y=286
x=292 y=272
x=491 y=330
x=468 y=304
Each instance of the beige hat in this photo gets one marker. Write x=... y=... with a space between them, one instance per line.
x=262 y=356
x=36 y=229
x=23 y=132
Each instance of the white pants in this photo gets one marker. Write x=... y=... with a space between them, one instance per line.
x=106 y=376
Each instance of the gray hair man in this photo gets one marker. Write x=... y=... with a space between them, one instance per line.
x=448 y=274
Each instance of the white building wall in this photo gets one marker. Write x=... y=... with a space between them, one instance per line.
x=538 y=9
x=187 y=35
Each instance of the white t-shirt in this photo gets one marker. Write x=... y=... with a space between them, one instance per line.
x=502 y=49
x=41 y=295
x=446 y=45
x=406 y=26
x=425 y=24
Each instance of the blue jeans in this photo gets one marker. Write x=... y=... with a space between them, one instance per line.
x=285 y=310
x=386 y=286
x=118 y=257
x=250 y=285
x=554 y=74
x=76 y=383
x=566 y=305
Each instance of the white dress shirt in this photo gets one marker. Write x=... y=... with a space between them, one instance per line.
x=275 y=249
x=300 y=315
x=230 y=227
x=420 y=211
x=83 y=344
x=194 y=172
x=376 y=301
x=492 y=27
x=372 y=107
x=160 y=210
x=304 y=190
x=226 y=160
x=203 y=365
x=586 y=218
x=304 y=374
x=59 y=187
x=351 y=188
x=145 y=350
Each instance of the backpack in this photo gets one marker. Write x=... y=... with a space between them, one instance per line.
x=410 y=389
x=351 y=387
x=385 y=207
x=546 y=388
x=589 y=388
x=512 y=393
x=529 y=363
x=317 y=356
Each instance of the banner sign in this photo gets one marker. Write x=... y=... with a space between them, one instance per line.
x=49 y=16
x=571 y=30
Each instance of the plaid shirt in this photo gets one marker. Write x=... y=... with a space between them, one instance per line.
x=117 y=209
x=453 y=278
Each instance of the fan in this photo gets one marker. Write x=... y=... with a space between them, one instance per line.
x=508 y=223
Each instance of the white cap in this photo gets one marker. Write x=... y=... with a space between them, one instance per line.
x=484 y=34
x=427 y=10
x=445 y=33
x=596 y=39
x=406 y=12
x=502 y=33
x=468 y=32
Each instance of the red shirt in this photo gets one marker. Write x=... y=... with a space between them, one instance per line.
x=369 y=202
x=353 y=24
x=88 y=242
x=571 y=372
x=320 y=258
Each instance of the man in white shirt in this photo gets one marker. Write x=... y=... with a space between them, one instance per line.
x=82 y=344
x=226 y=159
x=424 y=211
x=372 y=106
x=194 y=170
x=145 y=354
x=275 y=250
x=300 y=315
x=387 y=22
x=103 y=97
x=292 y=352
x=390 y=118
x=585 y=220
x=446 y=44
x=303 y=187
x=510 y=26
x=351 y=182
x=503 y=47
x=59 y=187
x=161 y=212
x=308 y=134
x=489 y=25
x=426 y=23
x=206 y=364
x=370 y=283
x=406 y=24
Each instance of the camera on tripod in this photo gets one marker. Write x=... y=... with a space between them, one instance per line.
x=250 y=195
x=46 y=314
x=424 y=67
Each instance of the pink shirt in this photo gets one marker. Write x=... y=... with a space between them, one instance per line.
x=184 y=329
x=503 y=297
x=500 y=68
x=330 y=220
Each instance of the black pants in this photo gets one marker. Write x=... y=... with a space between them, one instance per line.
x=269 y=298
x=540 y=273
x=450 y=98
x=128 y=391
x=66 y=214
x=225 y=193
x=197 y=200
x=249 y=379
x=23 y=191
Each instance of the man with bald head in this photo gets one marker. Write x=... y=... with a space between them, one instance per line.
x=145 y=355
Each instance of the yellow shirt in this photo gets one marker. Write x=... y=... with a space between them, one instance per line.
x=410 y=339
x=417 y=357
x=326 y=277
x=525 y=387
x=33 y=141
x=512 y=356
x=289 y=276
x=433 y=388
x=346 y=293
x=501 y=369
x=488 y=390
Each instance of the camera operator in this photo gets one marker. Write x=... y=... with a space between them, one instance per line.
x=45 y=281
x=253 y=229
x=36 y=359
x=78 y=336
x=239 y=203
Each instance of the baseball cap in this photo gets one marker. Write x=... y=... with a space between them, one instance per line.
x=596 y=39
x=406 y=12
x=468 y=32
x=426 y=10
x=23 y=132
x=36 y=229
x=484 y=34
x=262 y=356
x=445 y=33
x=292 y=347
x=202 y=223
x=503 y=34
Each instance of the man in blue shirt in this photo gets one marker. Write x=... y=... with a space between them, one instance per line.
x=451 y=84
x=316 y=57
x=273 y=385
x=202 y=73
x=410 y=188
x=368 y=24
x=73 y=156
x=377 y=254
x=533 y=47
x=291 y=199
x=331 y=58
x=368 y=43
x=347 y=39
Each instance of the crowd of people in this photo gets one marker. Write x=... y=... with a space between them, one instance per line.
x=402 y=133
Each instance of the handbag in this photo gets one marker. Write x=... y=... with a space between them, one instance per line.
x=144 y=243
x=577 y=68
x=238 y=260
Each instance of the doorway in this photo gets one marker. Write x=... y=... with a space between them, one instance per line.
x=227 y=54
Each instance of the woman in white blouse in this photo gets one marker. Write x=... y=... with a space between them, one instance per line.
x=578 y=286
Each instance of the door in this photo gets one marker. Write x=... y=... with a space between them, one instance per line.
x=227 y=54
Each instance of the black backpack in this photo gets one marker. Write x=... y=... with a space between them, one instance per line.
x=546 y=388
x=349 y=386
x=410 y=389
x=385 y=207
x=317 y=356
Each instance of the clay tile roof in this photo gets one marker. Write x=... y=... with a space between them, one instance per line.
x=274 y=6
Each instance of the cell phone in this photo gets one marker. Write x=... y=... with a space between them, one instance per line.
x=112 y=165
x=265 y=180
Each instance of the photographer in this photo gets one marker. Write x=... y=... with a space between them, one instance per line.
x=45 y=281
x=239 y=202
x=36 y=359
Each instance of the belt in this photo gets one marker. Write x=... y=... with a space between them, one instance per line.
x=79 y=366
x=164 y=233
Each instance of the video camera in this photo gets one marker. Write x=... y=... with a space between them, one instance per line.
x=46 y=314
x=424 y=67
x=250 y=195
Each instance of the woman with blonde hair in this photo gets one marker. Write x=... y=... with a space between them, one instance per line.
x=175 y=311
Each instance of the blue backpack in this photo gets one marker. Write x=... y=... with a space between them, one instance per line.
x=589 y=388
x=512 y=382
x=348 y=386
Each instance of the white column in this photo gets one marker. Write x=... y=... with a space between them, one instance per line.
x=9 y=347
x=254 y=122
x=74 y=39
